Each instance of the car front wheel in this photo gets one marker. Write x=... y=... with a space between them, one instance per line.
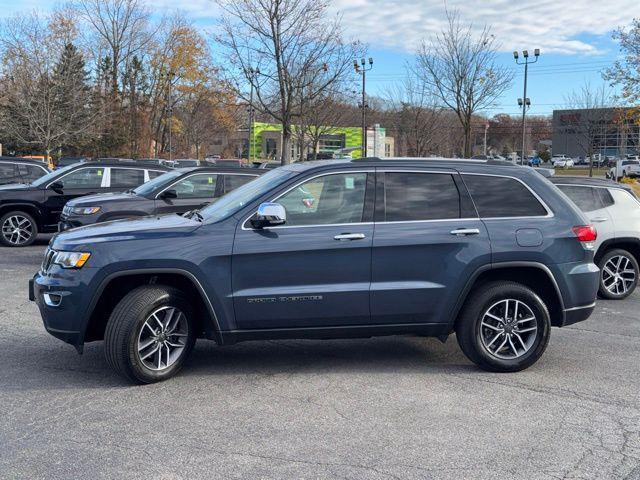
x=618 y=274
x=503 y=327
x=150 y=333
x=19 y=229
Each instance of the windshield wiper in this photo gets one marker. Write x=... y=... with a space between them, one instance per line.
x=193 y=213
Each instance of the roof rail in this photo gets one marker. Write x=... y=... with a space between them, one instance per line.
x=435 y=159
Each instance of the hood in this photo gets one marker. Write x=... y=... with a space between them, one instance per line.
x=171 y=225
x=14 y=186
x=102 y=198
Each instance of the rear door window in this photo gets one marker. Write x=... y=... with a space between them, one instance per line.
x=126 y=177
x=502 y=197
x=411 y=196
x=197 y=186
x=586 y=198
x=231 y=182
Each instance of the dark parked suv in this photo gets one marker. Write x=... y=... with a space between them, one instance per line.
x=331 y=249
x=29 y=209
x=177 y=191
x=20 y=170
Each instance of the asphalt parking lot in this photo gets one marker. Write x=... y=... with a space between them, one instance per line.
x=396 y=407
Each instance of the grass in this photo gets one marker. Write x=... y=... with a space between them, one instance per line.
x=597 y=172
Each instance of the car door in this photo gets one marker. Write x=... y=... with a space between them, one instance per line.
x=315 y=270
x=79 y=182
x=193 y=191
x=591 y=201
x=428 y=240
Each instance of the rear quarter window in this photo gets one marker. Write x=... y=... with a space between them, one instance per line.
x=502 y=197
x=586 y=198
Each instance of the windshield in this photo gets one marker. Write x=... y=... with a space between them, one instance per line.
x=51 y=176
x=230 y=203
x=148 y=188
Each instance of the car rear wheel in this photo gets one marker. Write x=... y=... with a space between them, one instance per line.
x=150 y=333
x=618 y=274
x=19 y=229
x=503 y=327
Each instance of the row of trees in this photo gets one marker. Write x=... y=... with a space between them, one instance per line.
x=102 y=79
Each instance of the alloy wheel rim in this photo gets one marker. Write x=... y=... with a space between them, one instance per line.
x=162 y=338
x=618 y=275
x=508 y=329
x=17 y=229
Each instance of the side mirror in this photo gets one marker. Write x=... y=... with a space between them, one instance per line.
x=269 y=215
x=168 y=194
x=57 y=186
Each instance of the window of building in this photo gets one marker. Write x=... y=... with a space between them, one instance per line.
x=420 y=196
x=330 y=143
x=502 y=197
x=330 y=199
x=126 y=177
x=270 y=148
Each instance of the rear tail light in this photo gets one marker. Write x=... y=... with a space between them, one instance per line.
x=587 y=235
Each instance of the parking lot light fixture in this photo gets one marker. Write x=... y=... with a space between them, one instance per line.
x=525 y=102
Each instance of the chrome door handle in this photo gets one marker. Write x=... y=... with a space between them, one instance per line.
x=465 y=231
x=350 y=236
x=599 y=219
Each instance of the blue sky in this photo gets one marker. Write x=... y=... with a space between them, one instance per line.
x=574 y=36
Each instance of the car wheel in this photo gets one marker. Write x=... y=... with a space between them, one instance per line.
x=19 y=229
x=503 y=327
x=150 y=333
x=618 y=274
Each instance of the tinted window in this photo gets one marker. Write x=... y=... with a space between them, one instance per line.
x=126 y=177
x=605 y=197
x=330 y=199
x=30 y=172
x=154 y=173
x=196 y=186
x=497 y=197
x=420 y=196
x=231 y=182
x=8 y=173
x=83 y=178
x=586 y=198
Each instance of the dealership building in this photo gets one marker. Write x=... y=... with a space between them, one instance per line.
x=609 y=132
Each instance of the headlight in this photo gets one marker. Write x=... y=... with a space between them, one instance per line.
x=84 y=210
x=71 y=259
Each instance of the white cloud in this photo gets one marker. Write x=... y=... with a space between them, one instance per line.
x=551 y=25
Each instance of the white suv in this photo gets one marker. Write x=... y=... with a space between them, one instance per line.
x=615 y=211
x=628 y=167
x=562 y=161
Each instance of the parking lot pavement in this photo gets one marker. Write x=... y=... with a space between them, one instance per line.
x=396 y=407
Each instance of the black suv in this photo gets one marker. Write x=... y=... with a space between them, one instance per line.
x=177 y=191
x=20 y=170
x=331 y=249
x=29 y=209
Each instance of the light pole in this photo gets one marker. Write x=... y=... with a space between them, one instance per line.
x=486 y=128
x=253 y=74
x=524 y=102
x=362 y=69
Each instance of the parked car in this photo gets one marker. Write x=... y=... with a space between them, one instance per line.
x=177 y=191
x=20 y=170
x=226 y=162
x=534 y=161
x=624 y=168
x=560 y=161
x=492 y=252
x=186 y=162
x=615 y=210
x=26 y=210
x=66 y=161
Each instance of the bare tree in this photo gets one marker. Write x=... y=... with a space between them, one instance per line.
x=463 y=71
x=589 y=121
x=290 y=42
x=416 y=116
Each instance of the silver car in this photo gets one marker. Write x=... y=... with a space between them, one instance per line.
x=615 y=211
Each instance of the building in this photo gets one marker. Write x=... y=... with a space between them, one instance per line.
x=266 y=142
x=604 y=131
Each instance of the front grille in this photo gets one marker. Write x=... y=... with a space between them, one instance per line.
x=48 y=260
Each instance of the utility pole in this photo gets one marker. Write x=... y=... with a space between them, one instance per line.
x=362 y=69
x=486 y=128
x=253 y=74
x=170 y=77
x=525 y=103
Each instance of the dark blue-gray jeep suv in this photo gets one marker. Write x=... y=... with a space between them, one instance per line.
x=331 y=249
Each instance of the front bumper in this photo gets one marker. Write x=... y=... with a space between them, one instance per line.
x=61 y=299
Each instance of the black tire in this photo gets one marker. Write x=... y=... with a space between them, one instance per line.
x=6 y=239
x=602 y=290
x=469 y=330
x=128 y=319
